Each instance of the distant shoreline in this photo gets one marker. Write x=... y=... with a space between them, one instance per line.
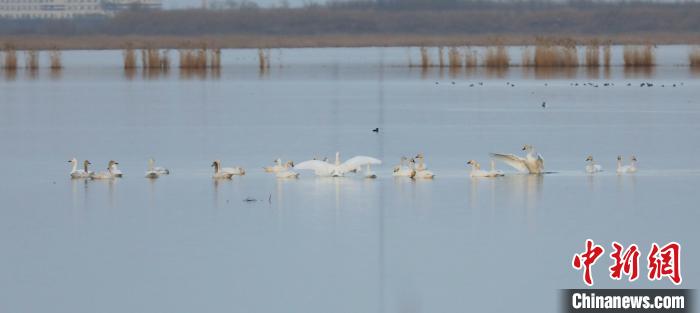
x=97 y=42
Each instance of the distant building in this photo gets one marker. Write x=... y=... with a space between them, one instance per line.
x=57 y=9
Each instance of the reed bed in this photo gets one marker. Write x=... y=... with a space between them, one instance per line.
x=454 y=57
x=32 y=60
x=639 y=56
x=496 y=57
x=424 y=57
x=263 y=59
x=470 y=59
x=526 y=58
x=10 y=59
x=694 y=57
x=556 y=53
x=194 y=59
x=593 y=54
x=129 y=58
x=55 y=63
x=441 y=57
x=215 y=57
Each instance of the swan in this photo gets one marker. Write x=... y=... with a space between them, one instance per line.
x=494 y=170
x=285 y=172
x=218 y=172
x=76 y=173
x=114 y=169
x=403 y=171
x=421 y=162
x=622 y=169
x=337 y=169
x=105 y=175
x=592 y=167
x=532 y=163
x=369 y=173
x=420 y=173
x=236 y=170
x=478 y=172
x=275 y=168
x=155 y=172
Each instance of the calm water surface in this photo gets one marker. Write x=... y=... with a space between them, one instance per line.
x=185 y=243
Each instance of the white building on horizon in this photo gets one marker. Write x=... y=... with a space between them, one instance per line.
x=60 y=9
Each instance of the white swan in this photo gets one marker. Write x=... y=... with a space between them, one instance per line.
x=155 y=172
x=403 y=171
x=105 y=175
x=622 y=169
x=369 y=173
x=421 y=173
x=82 y=173
x=478 y=172
x=532 y=163
x=592 y=167
x=236 y=170
x=285 y=172
x=421 y=162
x=218 y=171
x=114 y=169
x=275 y=168
x=337 y=169
x=494 y=170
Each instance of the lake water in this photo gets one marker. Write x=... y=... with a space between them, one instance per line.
x=185 y=243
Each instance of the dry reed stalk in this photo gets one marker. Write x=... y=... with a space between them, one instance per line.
x=454 y=56
x=424 y=57
x=129 y=58
x=165 y=60
x=694 y=57
x=10 y=63
x=526 y=58
x=607 y=54
x=555 y=53
x=32 y=60
x=593 y=54
x=441 y=57
x=55 y=63
x=496 y=57
x=262 y=60
x=187 y=59
x=201 y=59
x=144 y=59
x=215 y=58
x=470 y=59
x=638 y=56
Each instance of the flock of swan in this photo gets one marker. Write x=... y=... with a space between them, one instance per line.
x=414 y=167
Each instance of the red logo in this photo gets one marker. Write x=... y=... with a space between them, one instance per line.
x=588 y=257
x=665 y=262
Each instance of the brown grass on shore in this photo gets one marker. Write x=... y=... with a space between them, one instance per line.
x=263 y=59
x=129 y=58
x=593 y=54
x=10 y=60
x=556 y=53
x=694 y=57
x=193 y=59
x=454 y=57
x=526 y=58
x=55 y=63
x=424 y=57
x=215 y=58
x=639 y=56
x=496 y=57
x=32 y=60
x=470 y=59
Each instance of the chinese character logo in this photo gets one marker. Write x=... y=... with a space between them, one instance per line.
x=625 y=263
x=586 y=259
x=665 y=262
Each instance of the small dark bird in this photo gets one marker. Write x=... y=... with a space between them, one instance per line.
x=436 y=83
x=606 y=84
x=376 y=130
x=471 y=85
x=629 y=84
x=642 y=85
x=544 y=104
x=650 y=84
x=481 y=83
x=453 y=82
x=545 y=84
x=674 y=85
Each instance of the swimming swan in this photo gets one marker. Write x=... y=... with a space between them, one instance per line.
x=337 y=169
x=275 y=168
x=622 y=169
x=155 y=172
x=592 y=167
x=403 y=171
x=105 y=175
x=114 y=169
x=478 y=172
x=236 y=170
x=532 y=163
x=76 y=173
x=218 y=171
x=420 y=173
x=285 y=172
x=421 y=162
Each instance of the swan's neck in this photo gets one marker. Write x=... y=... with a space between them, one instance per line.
x=150 y=165
x=216 y=167
x=493 y=165
x=337 y=158
x=633 y=164
x=368 y=167
x=619 y=164
x=85 y=165
x=74 y=166
x=420 y=161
